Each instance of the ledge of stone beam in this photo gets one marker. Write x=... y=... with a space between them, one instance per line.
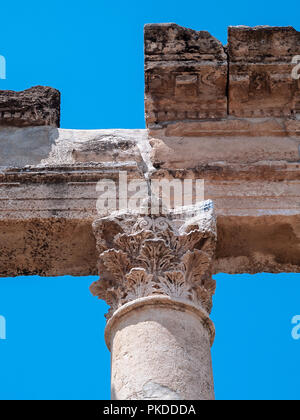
x=46 y=147
x=37 y=106
x=193 y=145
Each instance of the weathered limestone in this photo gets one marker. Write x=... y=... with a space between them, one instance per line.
x=203 y=145
x=160 y=351
x=260 y=68
x=185 y=74
x=227 y=115
x=155 y=273
x=53 y=147
x=261 y=119
x=32 y=107
x=47 y=208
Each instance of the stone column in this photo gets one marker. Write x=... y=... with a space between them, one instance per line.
x=155 y=273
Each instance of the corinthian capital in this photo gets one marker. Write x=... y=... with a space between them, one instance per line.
x=148 y=255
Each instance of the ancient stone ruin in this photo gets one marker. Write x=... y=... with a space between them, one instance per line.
x=36 y=106
x=228 y=115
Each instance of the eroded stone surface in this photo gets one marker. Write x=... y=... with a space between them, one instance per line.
x=250 y=167
x=49 y=147
x=161 y=352
x=246 y=244
x=190 y=77
x=167 y=254
x=258 y=244
x=36 y=106
x=245 y=196
x=155 y=273
x=185 y=74
x=47 y=247
x=260 y=71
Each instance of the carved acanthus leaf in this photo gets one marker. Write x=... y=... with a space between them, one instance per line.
x=196 y=265
x=204 y=293
x=167 y=254
x=139 y=284
x=156 y=256
x=173 y=284
x=117 y=263
x=131 y=243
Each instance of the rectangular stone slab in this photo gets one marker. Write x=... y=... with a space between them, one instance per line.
x=47 y=208
x=260 y=71
x=185 y=74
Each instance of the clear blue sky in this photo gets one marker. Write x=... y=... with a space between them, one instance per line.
x=92 y=52
x=55 y=347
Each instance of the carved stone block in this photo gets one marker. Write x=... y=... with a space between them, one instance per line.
x=260 y=71
x=32 y=107
x=167 y=255
x=185 y=74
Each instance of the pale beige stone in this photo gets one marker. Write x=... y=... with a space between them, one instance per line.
x=185 y=74
x=155 y=273
x=192 y=152
x=242 y=138
x=160 y=351
x=46 y=213
x=49 y=146
x=260 y=71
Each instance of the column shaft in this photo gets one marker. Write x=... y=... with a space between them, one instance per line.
x=155 y=273
x=160 y=350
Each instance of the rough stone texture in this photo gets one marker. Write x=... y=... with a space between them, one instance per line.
x=189 y=76
x=246 y=195
x=47 y=247
x=52 y=147
x=240 y=141
x=53 y=246
x=258 y=244
x=250 y=167
x=185 y=74
x=32 y=107
x=166 y=254
x=161 y=352
x=260 y=67
x=155 y=273
x=236 y=127
x=48 y=181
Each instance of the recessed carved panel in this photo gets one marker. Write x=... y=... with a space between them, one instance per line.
x=260 y=71
x=185 y=75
